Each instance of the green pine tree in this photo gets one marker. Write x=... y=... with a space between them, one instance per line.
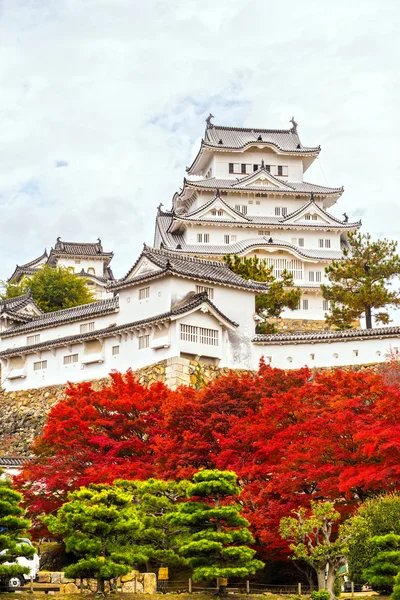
x=396 y=588
x=219 y=534
x=12 y=529
x=95 y=525
x=385 y=564
x=358 y=284
x=158 y=541
x=281 y=292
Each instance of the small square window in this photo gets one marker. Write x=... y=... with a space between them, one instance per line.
x=144 y=293
x=144 y=341
x=87 y=327
x=255 y=167
x=40 y=365
x=115 y=350
x=301 y=242
x=315 y=217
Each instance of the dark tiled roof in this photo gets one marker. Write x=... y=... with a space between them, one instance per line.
x=79 y=250
x=238 y=137
x=292 y=187
x=28 y=268
x=192 y=302
x=186 y=266
x=348 y=334
x=11 y=461
x=13 y=306
x=67 y=315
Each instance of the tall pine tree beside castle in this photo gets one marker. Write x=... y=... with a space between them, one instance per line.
x=219 y=534
x=12 y=528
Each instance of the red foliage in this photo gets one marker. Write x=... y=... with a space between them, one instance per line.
x=289 y=436
x=93 y=436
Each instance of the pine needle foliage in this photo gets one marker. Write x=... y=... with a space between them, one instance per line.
x=158 y=541
x=281 y=292
x=219 y=535
x=95 y=525
x=385 y=565
x=12 y=527
x=359 y=283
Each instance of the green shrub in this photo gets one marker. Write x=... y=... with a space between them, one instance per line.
x=320 y=595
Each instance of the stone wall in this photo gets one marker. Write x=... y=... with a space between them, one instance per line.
x=304 y=325
x=23 y=413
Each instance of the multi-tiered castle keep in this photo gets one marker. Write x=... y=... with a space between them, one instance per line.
x=244 y=194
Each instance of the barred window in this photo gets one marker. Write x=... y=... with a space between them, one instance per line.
x=69 y=359
x=326 y=305
x=191 y=333
x=115 y=350
x=144 y=341
x=144 y=293
x=305 y=304
x=33 y=339
x=40 y=365
x=86 y=327
x=203 y=288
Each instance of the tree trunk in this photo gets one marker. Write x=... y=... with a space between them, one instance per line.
x=100 y=586
x=368 y=317
x=321 y=579
x=330 y=584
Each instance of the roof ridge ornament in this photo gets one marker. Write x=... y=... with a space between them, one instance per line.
x=217 y=194
x=294 y=125
x=346 y=217
x=262 y=164
x=209 y=125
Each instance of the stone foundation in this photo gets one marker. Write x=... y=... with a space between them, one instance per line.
x=134 y=582
x=23 y=413
x=304 y=325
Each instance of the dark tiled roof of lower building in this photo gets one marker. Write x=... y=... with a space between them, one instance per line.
x=78 y=249
x=67 y=315
x=192 y=302
x=174 y=263
x=11 y=461
x=323 y=336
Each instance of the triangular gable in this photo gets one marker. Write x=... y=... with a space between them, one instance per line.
x=208 y=308
x=262 y=177
x=311 y=208
x=217 y=204
x=144 y=266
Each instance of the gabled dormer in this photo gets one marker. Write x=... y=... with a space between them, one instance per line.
x=313 y=214
x=217 y=209
x=262 y=177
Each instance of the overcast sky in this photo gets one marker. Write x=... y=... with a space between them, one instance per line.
x=102 y=105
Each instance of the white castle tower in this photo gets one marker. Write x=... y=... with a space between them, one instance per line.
x=245 y=194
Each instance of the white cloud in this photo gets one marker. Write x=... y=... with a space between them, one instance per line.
x=116 y=92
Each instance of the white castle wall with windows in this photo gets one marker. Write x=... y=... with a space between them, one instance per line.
x=244 y=195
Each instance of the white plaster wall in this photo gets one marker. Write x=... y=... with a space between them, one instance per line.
x=85 y=264
x=325 y=354
x=158 y=302
x=253 y=156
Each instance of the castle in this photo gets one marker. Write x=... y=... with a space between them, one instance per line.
x=244 y=194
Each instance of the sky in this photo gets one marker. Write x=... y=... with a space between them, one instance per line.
x=103 y=103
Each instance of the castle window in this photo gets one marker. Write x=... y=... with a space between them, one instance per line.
x=284 y=211
x=312 y=356
x=77 y=261
x=243 y=168
x=355 y=352
x=86 y=327
x=277 y=211
x=241 y=208
x=226 y=239
x=115 y=350
x=220 y=213
x=233 y=238
x=144 y=341
x=203 y=238
x=327 y=243
x=263 y=232
x=324 y=243
x=315 y=217
x=40 y=365
x=230 y=167
x=69 y=359
x=307 y=217
x=321 y=243
x=255 y=167
x=204 y=335
x=326 y=305
x=305 y=304
x=144 y=293
x=33 y=339
x=203 y=288
x=301 y=242
x=282 y=171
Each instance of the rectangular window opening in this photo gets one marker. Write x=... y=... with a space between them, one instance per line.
x=40 y=365
x=144 y=293
x=87 y=327
x=69 y=359
x=144 y=341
